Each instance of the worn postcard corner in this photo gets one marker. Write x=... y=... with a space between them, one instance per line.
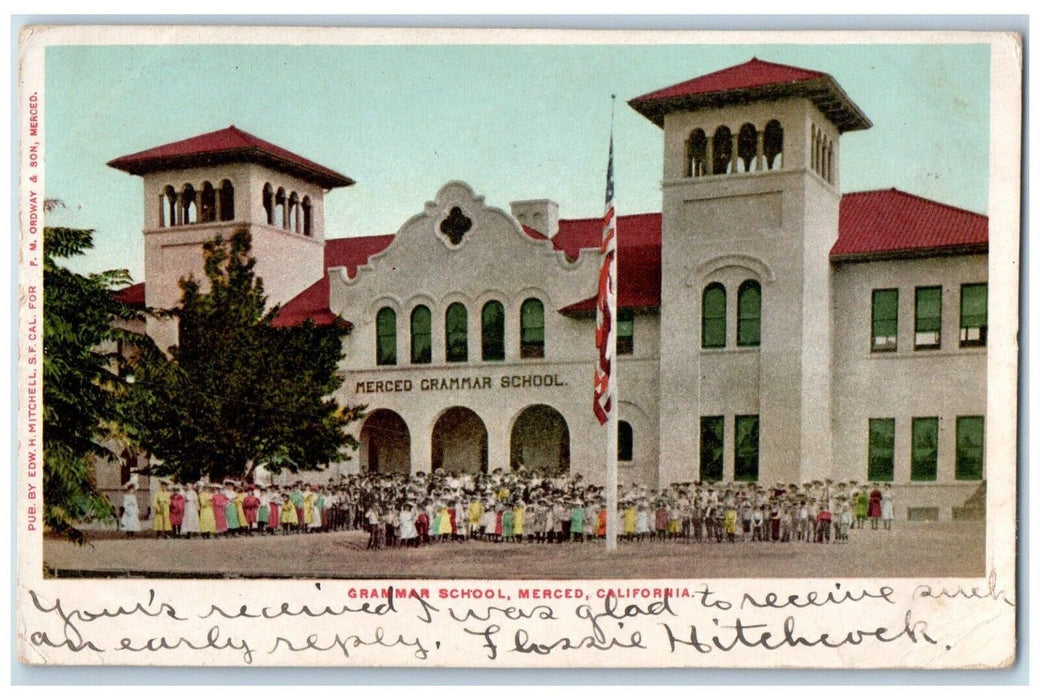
x=483 y=348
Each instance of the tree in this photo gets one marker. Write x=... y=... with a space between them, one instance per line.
x=84 y=397
x=238 y=392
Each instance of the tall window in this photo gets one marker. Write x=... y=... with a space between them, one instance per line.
x=745 y=466
x=294 y=213
x=924 y=456
x=307 y=222
x=713 y=316
x=457 y=345
x=189 y=211
x=268 y=202
x=882 y=449
x=532 y=329
x=421 y=336
x=386 y=336
x=927 y=318
x=170 y=211
x=747 y=147
x=626 y=321
x=773 y=145
x=493 y=332
x=281 y=218
x=227 y=201
x=696 y=154
x=749 y=314
x=969 y=448
x=722 y=150
x=712 y=441
x=973 y=315
x=884 y=320
x=207 y=203
x=624 y=441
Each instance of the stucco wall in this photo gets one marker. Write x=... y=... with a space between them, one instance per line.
x=908 y=383
x=494 y=260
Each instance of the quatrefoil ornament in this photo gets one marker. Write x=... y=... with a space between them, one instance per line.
x=455 y=225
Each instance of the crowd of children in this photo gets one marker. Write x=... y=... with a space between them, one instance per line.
x=420 y=509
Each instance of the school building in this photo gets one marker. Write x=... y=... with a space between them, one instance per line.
x=771 y=328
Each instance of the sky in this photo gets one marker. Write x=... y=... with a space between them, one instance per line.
x=515 y=122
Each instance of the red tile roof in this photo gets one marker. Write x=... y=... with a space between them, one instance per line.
x=313 y=302
x=893 y=224
x=639 y=257
x=352 y=253
x=228 y=145
x=754 y=80
x=132 y=295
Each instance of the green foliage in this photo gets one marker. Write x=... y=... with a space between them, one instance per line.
x=83 y=396
x=240 y=392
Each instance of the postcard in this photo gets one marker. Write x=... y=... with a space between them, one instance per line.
x=517 y=348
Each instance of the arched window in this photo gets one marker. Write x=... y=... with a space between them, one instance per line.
x=208 y=204
x=294 y=213
x=170 y=218
x=307 y=225
x=823 y=156
x=697 y=154
x=421 y=336
x=386 y=336
x=747 y=147
x=624 y=441
x=269 y=203
x=721 y=150
x=281 y=217
x=189 y=212
x=532 y=329
x=227 y=201
x=456 y=347
x=815 y=148
x=814 y=157
x=713 y=316
x=493 y=332
x=749 y=314
x=773 y=145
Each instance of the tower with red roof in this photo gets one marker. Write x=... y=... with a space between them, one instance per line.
x=749 y=214
x=215 y=183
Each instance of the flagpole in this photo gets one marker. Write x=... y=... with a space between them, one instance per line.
x=612 y=394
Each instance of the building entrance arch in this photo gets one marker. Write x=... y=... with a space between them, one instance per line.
x=460 y=442
x=540 y=441
x=385 y=444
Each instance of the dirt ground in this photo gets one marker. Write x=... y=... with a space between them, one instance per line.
x=909 y=550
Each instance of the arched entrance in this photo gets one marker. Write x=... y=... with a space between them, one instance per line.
x=385 y=443
x=540 y=441
x=460 y=442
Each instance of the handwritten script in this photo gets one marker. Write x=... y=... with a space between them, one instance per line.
x=509 y=624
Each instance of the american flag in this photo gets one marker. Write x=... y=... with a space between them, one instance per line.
x=604 y=388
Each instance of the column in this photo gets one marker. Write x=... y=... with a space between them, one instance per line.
x=162 y=211
x=498 y=445
x=729 y=446
x=421 y=446
x=709 y=158
x=734 y=154
x=760 y=151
